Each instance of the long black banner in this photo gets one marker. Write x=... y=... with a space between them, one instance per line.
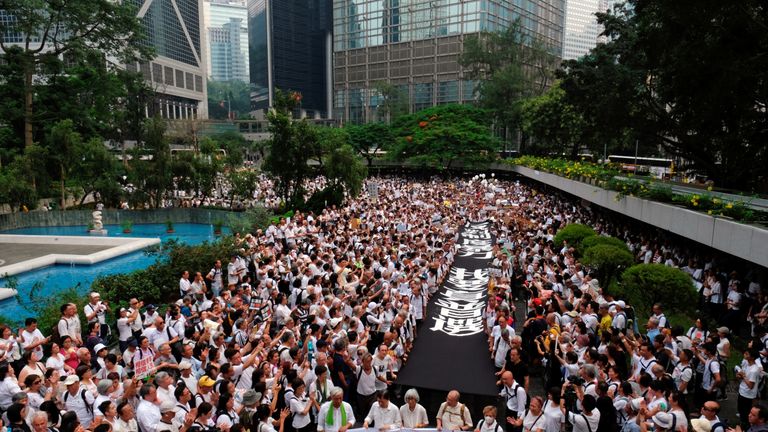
x=451 y=351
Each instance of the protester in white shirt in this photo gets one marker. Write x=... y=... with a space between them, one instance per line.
x=412 y=414
x=383 y=414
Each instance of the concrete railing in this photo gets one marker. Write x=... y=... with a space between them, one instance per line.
x=749 y=242
x=113 y=217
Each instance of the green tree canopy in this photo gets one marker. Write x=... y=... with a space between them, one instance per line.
x=553 y=122
x=509 y=66
x=442 y=135
x=370 y=138
x=695 y=84
x=53 y=29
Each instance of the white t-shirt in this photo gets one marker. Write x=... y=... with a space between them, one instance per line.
x=412 y=418
x=366 y=383
x=124 y=331
x=29 y=338
x=533 y=422
x=752 y=373
x=579 y=421
x=555 y=417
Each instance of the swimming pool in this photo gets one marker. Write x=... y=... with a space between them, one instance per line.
x=57 y=278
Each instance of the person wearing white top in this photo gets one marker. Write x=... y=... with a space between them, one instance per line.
x=748 y=374
x=78 y=400
x=383 y=414
x=412 y=414
x=148 y=413
x=452 y=414
x=300 y=406
x=335 y=415
x=588 y=419
x=534 y=419
x=488 y=423
x=32 y=339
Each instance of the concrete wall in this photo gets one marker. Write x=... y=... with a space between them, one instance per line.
x=112 y=217
x=749 y=242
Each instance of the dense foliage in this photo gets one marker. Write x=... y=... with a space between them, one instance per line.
x=608 y=259
x=695 y=84
x=573 y=234
x=646 y=284
x=443 y=135
x=509 y=67
x=295 y=143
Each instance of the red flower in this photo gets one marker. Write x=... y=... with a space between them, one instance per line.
x=423 y=124
x=409 y=138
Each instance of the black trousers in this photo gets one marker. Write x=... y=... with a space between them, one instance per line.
x=743 y=406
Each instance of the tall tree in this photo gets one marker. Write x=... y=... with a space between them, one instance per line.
x=393 y=101
x=50 y=29
x=63 y=144
x=439 y=137
x=695 y=84
x=370 y=138
x=293 y=142
x=555 y=124
x=509 y=66
x=150 y=170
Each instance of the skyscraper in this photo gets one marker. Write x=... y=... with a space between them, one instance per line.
x=415 y=45
x=582 y=32
x=290 y=43
x=226 y=24
x=174 y=29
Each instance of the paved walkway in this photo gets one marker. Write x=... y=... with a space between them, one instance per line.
x=13 y=253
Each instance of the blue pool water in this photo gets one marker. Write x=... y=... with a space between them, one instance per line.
x=60 y=277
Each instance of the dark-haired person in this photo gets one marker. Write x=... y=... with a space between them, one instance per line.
x=9 y=386
x=758 y=419
x=148 y=413
x=32 y=340
x=17 y=413
x=589 y=418
x=748 y=374
x=126 y=421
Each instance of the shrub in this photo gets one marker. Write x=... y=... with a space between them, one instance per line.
x=590 y=241
x=646 y=284
x=608 y=259
x=573 y=235
x=159 y=283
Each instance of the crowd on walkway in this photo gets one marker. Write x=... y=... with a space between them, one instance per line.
x=308 y=325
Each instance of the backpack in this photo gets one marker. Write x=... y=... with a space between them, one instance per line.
x=55 y=335
x=88 y=406
x=482 y=422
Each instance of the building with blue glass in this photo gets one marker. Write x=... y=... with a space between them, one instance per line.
x=415 y=46
x=290 y=49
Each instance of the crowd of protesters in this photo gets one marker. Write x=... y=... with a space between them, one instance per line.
x=307 y=325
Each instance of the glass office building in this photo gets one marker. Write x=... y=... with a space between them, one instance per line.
x=177 y=74
x=290 y=43
x=582 y=32
x=226 y=24
x=415 y=45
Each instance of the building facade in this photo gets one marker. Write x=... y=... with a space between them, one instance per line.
x=177 y=73
x=290 y=50
x=415 y=45
x=226 y=26
x=582 y=32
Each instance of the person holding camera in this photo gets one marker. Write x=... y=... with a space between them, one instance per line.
x=589 y=418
